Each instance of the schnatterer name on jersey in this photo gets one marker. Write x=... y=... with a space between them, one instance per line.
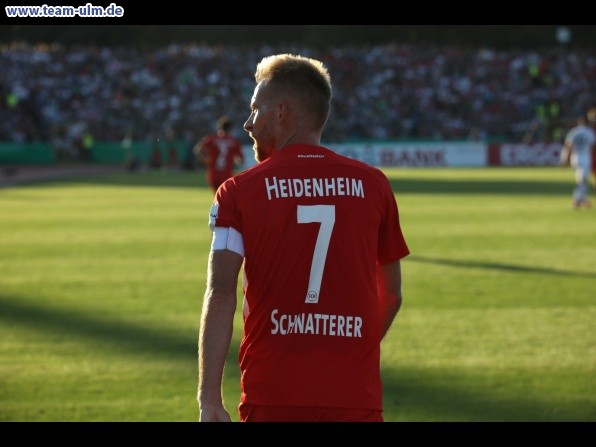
x=316 y=324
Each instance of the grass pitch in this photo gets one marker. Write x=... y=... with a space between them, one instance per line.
x=101 y=282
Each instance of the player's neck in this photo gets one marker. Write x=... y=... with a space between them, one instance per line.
x=304 y=137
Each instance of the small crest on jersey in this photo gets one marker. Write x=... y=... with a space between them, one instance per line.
x=312 y=297
x=213 y=215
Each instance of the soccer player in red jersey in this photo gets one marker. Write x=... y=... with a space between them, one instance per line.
x=319 y=240
x=222 y=153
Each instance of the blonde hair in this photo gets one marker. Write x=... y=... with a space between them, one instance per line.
x=305 y=78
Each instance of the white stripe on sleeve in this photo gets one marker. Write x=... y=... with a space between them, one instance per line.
x=227 y=238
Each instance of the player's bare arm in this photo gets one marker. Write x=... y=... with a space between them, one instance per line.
x=389 y=292
x=215 y=334
x=565 y=154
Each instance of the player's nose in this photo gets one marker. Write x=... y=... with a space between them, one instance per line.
x=248 y=124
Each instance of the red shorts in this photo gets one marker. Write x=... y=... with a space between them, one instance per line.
x=272 y=413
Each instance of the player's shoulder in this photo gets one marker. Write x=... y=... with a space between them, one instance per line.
x=252 y=171
x=358 y=164
x=363 y=170
x=585 y=130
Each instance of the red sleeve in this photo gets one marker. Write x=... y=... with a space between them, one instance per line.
x=392 y=245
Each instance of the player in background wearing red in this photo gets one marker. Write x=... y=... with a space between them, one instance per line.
x=221 y=152
x=320 y=240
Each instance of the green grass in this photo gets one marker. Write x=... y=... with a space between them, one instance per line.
x=101 y=282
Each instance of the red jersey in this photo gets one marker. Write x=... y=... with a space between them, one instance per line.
x=314 y=225
x=221 y=153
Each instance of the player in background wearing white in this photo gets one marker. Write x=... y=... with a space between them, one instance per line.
x=321 y=242
x=592 y=123
x=577 y=152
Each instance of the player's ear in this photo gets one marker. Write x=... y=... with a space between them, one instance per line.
x=282 y=111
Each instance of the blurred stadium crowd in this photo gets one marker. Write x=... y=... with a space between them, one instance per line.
x=383 y=92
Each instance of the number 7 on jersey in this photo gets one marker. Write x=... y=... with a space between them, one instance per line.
x=325 y=214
